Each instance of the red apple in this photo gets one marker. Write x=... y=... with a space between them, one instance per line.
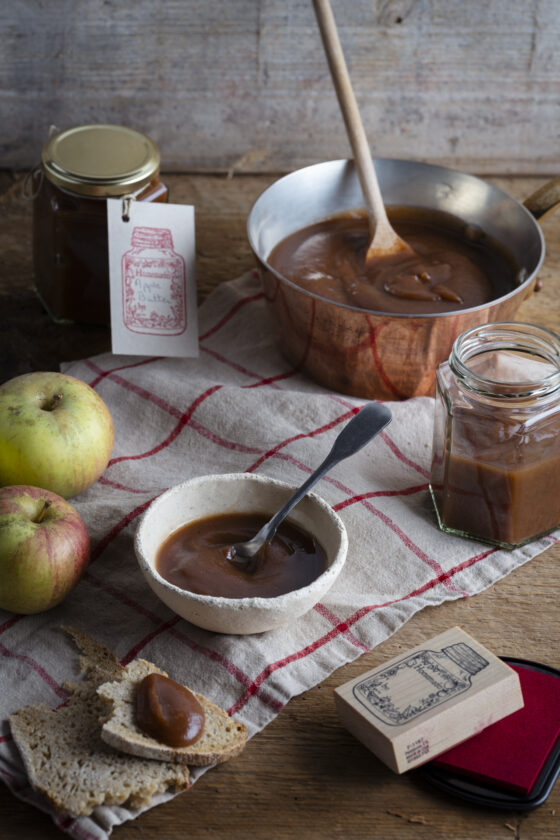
x=55 y=432
x=44 y=548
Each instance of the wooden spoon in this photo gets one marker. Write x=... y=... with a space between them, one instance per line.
x=384 y=240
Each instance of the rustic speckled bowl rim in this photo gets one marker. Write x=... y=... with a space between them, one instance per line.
x=242 y=608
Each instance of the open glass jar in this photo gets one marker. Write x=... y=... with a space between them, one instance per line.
x=80 y=168
x=495 y=473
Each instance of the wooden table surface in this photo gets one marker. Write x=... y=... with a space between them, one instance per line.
x=304 y=776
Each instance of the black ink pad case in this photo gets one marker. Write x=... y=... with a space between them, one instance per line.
x=514 y=763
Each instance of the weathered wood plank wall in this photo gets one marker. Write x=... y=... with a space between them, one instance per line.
x=243 y=85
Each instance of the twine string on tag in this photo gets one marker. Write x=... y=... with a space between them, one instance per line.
x=28 y=191
x=126 y=202
x=32 y=183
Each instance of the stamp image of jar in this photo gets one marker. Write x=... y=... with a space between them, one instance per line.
x=153 y=284
x=419 y=682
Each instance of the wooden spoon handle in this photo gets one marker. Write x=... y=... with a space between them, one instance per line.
x=383 y=236
x=545 y=199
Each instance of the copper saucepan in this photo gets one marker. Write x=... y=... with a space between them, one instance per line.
x=374 y=354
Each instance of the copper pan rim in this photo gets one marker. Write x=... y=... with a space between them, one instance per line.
x=526 y=223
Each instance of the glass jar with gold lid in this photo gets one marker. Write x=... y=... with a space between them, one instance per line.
x=80 y=168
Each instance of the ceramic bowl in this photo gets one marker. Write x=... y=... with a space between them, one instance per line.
x=213 y=495
x=377 y=355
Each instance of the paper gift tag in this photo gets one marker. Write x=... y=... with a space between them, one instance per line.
x=152 y=278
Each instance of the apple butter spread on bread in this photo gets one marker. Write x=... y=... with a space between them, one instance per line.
x=89 y=751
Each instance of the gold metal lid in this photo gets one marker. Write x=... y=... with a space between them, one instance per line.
x=100 y=160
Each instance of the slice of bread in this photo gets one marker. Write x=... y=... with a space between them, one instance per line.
x=64 y=754
x=221 y=739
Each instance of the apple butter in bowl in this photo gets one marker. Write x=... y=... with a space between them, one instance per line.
x=197 y=557
x=183 y=539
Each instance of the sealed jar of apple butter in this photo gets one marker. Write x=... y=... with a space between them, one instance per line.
x=495 y=473
x=80 y=169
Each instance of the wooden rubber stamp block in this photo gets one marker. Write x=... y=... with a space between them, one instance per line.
x=434 y=696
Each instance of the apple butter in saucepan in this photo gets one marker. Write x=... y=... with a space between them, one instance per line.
x=454 y=265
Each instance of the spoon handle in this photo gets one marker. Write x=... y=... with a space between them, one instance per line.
x=368 y=422
x=384 y=240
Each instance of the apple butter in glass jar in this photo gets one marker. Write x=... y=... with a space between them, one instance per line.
x=495 y=472
x=80 y=168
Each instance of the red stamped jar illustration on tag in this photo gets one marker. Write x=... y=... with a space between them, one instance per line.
x=154 y=284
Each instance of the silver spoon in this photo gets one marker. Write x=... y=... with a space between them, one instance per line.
x=367 y=423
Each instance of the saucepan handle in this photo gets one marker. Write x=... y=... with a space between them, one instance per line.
x=545 y=199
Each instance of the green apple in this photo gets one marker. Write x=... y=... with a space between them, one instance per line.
x=44 y=548
x=55 y=432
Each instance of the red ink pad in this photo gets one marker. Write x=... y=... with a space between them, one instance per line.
x=515 y=762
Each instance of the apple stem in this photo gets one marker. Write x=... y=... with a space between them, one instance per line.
x=41 y=514
x=50 y=406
